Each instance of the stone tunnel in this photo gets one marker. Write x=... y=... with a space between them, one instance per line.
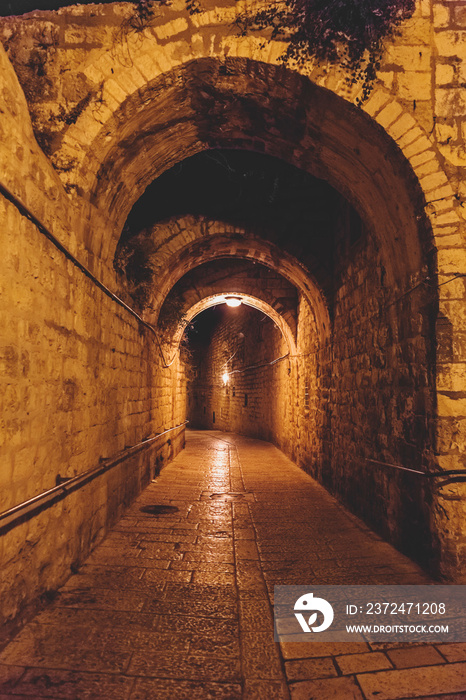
x=232 y=292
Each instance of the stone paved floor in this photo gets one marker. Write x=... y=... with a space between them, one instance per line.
x=176 y=604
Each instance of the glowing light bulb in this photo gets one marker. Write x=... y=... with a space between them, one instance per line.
x=233 y=301
x=225 y=377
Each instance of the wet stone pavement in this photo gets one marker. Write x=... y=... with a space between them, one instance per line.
x=176 y=601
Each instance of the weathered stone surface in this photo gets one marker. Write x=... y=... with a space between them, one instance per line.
x=361 y=663
x=388 y=685
x=113 y=105
x=101 y=642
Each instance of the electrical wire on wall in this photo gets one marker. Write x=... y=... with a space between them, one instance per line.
x=25 y=211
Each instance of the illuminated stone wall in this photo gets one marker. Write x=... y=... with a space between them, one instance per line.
x=80 y=380
x=253 y=401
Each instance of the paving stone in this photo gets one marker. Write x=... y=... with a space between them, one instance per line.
x=327 y=689
x=166 y=536
x=265 y=690
x=122 y=641
x=216 y=537
x=198 y=608
x=202 y=626
x=111 y=578
x=453 y=652
x=246 y=549
x=164 y=689
x=212 y=557
x=165 y=609
x=199 y=592
x=53 y=683
x=103 y=599
x=245 y=533
x=214 y=645
x=9 y=676
x=305 y=669
x=414 y=682
x=360 y=663
x=249 y=575
x=261 y=657
x=135 y=562
x=303 y=650
x=224 y=579
x=415 y=656
x=153 y=576
x=157 y=550
x=215 y=548
x=77 y=655
x=184 y=526
x=185 y=667
x=203 y=566
x=96 y=618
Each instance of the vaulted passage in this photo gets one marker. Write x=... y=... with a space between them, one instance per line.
x=325 y=356
x=197 y=237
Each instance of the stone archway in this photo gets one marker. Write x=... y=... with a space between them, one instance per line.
x=248 y=300
x=282 y=114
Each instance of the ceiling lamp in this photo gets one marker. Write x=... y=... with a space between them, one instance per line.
x=233 y=301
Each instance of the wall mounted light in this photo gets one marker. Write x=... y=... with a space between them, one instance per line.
x=233 y=301
x=225 y=377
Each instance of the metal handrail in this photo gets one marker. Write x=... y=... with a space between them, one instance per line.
x=25 y=211
x=75 y=481
x=428 y=475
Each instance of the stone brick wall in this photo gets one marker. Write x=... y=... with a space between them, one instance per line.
x=382 y=399
x=80 y=381
x=208 y=283
x=180 y=247
x=94 y=80
x=253 y=401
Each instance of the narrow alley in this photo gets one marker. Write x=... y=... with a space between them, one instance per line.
x=176 y=601
x=248 y=219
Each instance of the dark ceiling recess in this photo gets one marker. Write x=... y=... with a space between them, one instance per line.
x=242 y=187
x=20 y=7
x=199 y=331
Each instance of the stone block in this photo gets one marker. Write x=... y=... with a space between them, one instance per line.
x=451 y=407
x=415 y=682
x=329 y=689
x=176 y=26
x=305 y=669
x=415 y=656
x=362 y=663
x=441 y=15
x=413 y=58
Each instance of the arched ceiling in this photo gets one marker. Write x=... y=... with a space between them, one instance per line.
x=208 y=284
x=243 y=187
x=237 y=103
x=248 y=300
x=174 y=248
x=285 y=206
